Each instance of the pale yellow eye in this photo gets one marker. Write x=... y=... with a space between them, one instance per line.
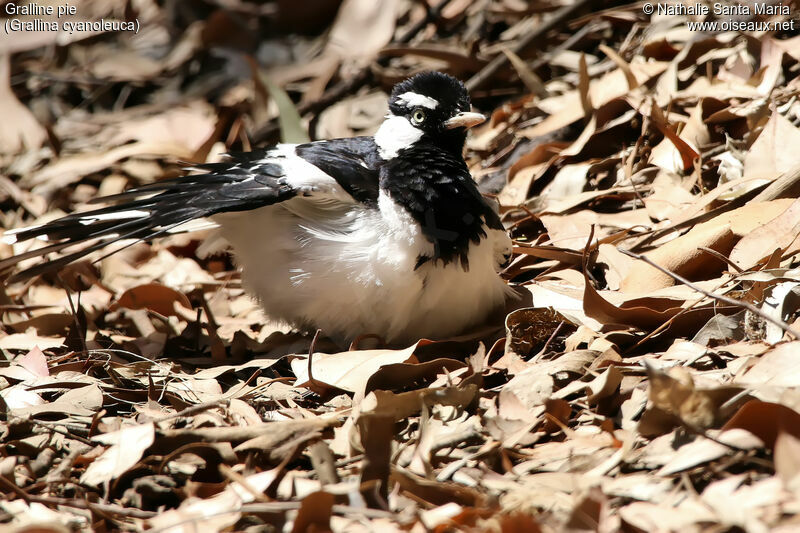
x=418 y=117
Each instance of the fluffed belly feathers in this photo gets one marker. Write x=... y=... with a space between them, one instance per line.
x=363 y=276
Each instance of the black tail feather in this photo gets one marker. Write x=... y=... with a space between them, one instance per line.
x=154 y=210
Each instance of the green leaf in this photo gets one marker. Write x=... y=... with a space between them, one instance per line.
x=292 y=130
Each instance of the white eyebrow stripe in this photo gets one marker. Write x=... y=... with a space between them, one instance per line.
x=412 y=99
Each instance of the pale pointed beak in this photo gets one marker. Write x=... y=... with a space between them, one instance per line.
x=464 y=120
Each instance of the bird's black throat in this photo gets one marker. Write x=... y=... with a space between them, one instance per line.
x=451 y=141
x=434 y=185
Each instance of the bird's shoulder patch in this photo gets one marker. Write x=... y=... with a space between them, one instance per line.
x=354 y=163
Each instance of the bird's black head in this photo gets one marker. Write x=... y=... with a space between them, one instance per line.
x=432 y=107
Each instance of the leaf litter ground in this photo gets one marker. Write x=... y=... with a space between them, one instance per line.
x=648 y=379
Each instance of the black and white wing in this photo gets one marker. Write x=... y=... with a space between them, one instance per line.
x=341 y=170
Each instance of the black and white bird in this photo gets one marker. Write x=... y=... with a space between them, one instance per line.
x=383 y=235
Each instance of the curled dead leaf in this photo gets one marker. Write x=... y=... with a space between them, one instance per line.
x=154 y=297
x=675 y=400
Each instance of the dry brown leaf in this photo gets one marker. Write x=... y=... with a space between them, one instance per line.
x=442 y=516
x=349 y=370
x=217 y=512
x=766 y=421
x=284 y=437
x=775 y=151
x=703 y=450
x=557 y=412
x=676 y=400
x=677 y=153
x=572 y=230
x=127 y=447
x=68 y=170
x=646 y=313
x=529 y=389
x=528 y=77
x=29 y=341
x=34 y=362
x=566 y=109
x=779 y=367
x=155 y=297
x=403 y=375
x=455 y=58
x=361 y=28
x=652 y=517
x=604 y=385
x=787 y=459
x=669 y=197
x=779 y=233
x=532 y=386
x=19 y=129
x=314 y=513
x=583 y=87
x=683 y=255
x=404 y=404
x=437 y=493
x=518 y=522
x=18 y=398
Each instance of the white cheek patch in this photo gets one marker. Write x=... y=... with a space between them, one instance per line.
x=395 y=134
x=412 y=99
